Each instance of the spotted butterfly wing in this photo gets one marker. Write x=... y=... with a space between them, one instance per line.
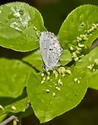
x=50 y=49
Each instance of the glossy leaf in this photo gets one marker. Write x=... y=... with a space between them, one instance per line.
x=80 y=27
x=34 y=59
x=15 y=107
x=55 y=95
x=2 y=117
x=13 y=77
x=89 y=64
x=20 y=26
x=66 y=57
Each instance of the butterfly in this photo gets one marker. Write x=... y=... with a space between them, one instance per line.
x=50 y=50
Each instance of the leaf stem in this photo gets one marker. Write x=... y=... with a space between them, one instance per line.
x=14 y=118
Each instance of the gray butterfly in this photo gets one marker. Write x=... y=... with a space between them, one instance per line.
x=50 y=50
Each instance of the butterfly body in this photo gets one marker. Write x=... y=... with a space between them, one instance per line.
x=50 y=49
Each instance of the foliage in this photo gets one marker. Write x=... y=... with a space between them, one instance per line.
x=50 y=93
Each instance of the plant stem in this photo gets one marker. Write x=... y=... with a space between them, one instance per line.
x=12 y=118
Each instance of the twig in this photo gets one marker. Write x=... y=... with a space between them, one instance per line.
x=9 y=120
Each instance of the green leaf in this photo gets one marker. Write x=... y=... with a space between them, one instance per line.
x=2 y=117
x=66 y=57
x=92 y=80
x=34 y=59
x=15 y=107
x=20 y=26
x=80 y=27
x=55 y=94
x=89 y=64
x=13 y=77
x=77 y=34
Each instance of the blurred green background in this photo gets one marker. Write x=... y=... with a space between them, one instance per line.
x=54 y=13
